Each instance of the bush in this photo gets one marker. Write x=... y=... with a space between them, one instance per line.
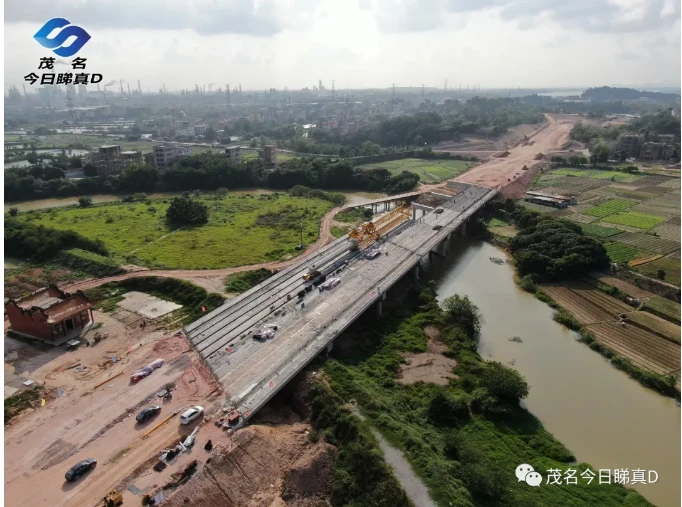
x=85 y=201
x=447 y=410
x=13 y=211
x=184 y=210
x=504 y=383
x=90 y=262
x=26 y=240
x=221 y=192
x=461 y=311
x=660 y=274
x=241 y=282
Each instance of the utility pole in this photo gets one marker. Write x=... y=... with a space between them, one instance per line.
x=69 y=105
x=139 y=88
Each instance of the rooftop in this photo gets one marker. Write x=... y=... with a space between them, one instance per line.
x=67 y=308
x=42 y=298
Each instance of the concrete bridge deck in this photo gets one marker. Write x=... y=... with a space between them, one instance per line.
x=252 y=372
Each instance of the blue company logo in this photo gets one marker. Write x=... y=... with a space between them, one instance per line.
x=60 y=38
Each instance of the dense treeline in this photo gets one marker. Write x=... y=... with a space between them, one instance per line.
x=549 y=249
x=209 y=172
x=26 y=240
x=607 y=93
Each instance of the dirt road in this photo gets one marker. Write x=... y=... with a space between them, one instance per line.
x=506 y=174
x=88 y=422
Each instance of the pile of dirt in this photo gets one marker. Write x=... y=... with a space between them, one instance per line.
x=259 y=465
x=431 y=366
x=504 y=154
x=310 y=476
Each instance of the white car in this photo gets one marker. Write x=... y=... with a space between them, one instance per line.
x=331 y=283
x=191 y=414
x=372 y=253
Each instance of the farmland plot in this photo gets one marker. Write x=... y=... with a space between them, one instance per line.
x=579 y=218
x=599 y=231
x=652 y=189
x=671 y=267
x=584 y=311
x=655 y=180
x=610 y=207
x=598 y=298
x=668 y=230
x=632 y=219
x=644 y=349
x=627 y=287
x=656 y=325
x=664 y=308
x=649 y=243
x=671 y=183
x=622 y=253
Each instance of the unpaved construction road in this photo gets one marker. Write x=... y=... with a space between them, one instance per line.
x=506 y=174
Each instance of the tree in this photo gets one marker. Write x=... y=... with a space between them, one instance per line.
x=660 y=274
x=221 y=192
x=84 y=201
x=447 y=410
x=13 y=211
x=185 y=210
x=461 y=311
x=600 y=153
x=90 y=170
x=369 y=148
x=210 y=135
x=419 y=141
x=503 y=383
x=139 y=177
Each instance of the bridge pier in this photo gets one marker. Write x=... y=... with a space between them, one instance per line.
x=464 y=228
x=416 y=271
x=380 y=304
x=330 y=346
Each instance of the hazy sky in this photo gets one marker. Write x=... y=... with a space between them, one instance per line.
x=360 y=43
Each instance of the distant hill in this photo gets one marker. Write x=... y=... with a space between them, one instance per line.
x=606 y=93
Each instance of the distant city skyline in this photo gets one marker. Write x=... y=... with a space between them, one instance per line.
x=360 y=44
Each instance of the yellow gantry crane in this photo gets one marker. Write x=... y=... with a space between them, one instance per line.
x=369 y=232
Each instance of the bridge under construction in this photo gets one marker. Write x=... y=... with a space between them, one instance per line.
x=307 y=320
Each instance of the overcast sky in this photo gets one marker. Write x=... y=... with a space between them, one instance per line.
x=360 y=43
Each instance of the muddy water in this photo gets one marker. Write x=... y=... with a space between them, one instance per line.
x=605 y=418
x=351 y=198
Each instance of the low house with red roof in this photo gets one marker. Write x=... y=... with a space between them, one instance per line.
x=50 y=314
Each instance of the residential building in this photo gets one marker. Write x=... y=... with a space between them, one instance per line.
x=630 y=144
x=111 y=160
x=50 y=314
x=657 y=151
x=166 y=154
x=268 y=155
x=148 y=159
x=131 y=157
x=544 y=199
x=568 y=198
x=234 y=153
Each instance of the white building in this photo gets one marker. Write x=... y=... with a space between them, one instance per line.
x=166 y=154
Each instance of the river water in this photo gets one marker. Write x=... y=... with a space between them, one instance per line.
x=604 y=417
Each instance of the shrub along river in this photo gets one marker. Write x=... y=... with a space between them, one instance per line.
x=603 y=416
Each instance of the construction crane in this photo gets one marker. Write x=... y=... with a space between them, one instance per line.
x=369 y=232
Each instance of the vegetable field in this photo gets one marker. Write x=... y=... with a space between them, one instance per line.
x=599 y=231
x=644 y=349
x=664 y=308
x=597 y=174
x=610 y=207
x=648 y=242
x=429 y=171
x=622 y=253
x=656 y=325
x=584 y=311
x=632 y=219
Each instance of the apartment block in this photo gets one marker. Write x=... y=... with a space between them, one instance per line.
x=630 y=144
x=166 y=154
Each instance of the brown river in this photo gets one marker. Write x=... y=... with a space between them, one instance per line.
x=603 y=416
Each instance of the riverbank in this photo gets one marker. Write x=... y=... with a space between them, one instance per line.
x=464 y=439
x=603 y=416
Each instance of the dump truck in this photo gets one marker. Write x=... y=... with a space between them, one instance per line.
x=311 y=274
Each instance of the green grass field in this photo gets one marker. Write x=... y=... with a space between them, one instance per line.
x=622 y=253
x=664 y=308
x=596 y=174
x=137 y=232
x=429 y=171
x=599 y=231
x=670 y=266
x=632 y=219
x=609 y=208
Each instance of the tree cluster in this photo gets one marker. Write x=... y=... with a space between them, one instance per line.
x=551 y=249
x=186 y=211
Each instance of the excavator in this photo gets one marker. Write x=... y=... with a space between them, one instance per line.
x=113 y=499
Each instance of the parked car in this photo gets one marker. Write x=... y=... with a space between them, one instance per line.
x=191 y=414
x=331 y=283
x=265 y=334
x=372 y=254
x=438 y=211
x=148 y=413
x=80 y=469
